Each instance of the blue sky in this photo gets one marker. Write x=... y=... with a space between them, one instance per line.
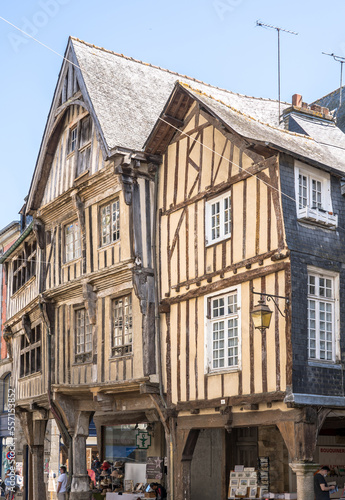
x=216 y=41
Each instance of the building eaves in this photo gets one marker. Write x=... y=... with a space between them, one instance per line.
x=9 y=226
x=16 y=244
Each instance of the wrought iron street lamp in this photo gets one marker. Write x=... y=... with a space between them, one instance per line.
x=261 y=314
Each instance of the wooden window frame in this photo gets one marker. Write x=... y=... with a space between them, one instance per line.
x=75 y=256
x=122 y=326
x=84 y=355
x=114 y=236
x=24 y=266
x=222 y=231
x=228 y=348
x=31 y=352
x=317 y=304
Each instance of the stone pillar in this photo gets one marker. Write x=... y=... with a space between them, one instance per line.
x=37 y=457
x=305 y=479
x=80 y=489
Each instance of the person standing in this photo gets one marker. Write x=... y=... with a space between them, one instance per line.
x=159 y=490
x=62 y=484
x=321 y=489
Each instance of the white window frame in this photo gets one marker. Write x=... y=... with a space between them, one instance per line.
x=225 y=226
x=110 y=229
x=315 y=306
x=73 y=246
x=210 y=340
x=323 y=214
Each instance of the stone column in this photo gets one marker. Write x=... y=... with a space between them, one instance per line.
x=305 y=479
x=80 y=489
x=37 y=457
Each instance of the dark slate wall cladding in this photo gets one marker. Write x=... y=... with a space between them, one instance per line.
x=312 y=246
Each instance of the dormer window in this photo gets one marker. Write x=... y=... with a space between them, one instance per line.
x=313 y=196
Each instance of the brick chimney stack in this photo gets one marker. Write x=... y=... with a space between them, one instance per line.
x=297 y=100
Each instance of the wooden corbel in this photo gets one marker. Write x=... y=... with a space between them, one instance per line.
x=125 y=172
x=80 y=208
x=26 y=324
x=7 y=336
x=90 y=300
x=39 y=231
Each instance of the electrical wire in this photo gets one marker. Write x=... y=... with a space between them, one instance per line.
x=162 y=119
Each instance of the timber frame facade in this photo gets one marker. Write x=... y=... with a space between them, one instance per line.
x=231 y=227
x=129 y=295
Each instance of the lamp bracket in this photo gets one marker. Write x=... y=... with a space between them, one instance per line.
x=272 y=297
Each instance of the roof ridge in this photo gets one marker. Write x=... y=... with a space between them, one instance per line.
x=173 y=72
x=248 y=116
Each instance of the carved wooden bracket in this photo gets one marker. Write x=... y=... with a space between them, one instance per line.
x=126 y=175
x=26 y=324
x=8 y=335
x=39 y=232
x=80 y=208
x=90 y=299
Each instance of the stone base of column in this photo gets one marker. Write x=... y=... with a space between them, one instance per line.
x=80 y=495
x=80 y=488
x=305 y=479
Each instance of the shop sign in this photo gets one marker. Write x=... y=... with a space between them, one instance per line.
x=143 y=440
x=332 y=455
x=154 y=467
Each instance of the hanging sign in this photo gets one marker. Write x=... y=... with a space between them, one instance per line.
x=143 y=440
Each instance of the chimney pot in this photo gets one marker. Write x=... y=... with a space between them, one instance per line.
x=305 y=105
x=297 y=100
x=325 y=111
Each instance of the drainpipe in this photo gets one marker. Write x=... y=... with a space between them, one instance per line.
x=158 y=334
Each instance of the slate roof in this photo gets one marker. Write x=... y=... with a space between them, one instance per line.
x=331 y=101
x=301 y=146
x=128 y=95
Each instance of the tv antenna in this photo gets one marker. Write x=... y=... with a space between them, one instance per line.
x=341 y=60
x=263 y=25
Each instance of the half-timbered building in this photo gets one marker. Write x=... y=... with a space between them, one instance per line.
x=248 y=208
x=129 y=295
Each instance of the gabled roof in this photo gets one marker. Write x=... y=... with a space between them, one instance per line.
x=303 y=147
x=331 y=101
x=128 y=95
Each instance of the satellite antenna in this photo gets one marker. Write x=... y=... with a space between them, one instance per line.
x=341 y=60
x=263 y=25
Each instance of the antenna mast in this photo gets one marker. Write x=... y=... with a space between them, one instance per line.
x=341 y=60
x=263 y=25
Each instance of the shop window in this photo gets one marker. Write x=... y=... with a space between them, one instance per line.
x=120 y=444
x=110 y=222
x=83 y=336
x=223 y=330
x=31 y=352
x=122 y=326
x=24 y=266
x=322 y=287
x=218 y=218
x=72 y=241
